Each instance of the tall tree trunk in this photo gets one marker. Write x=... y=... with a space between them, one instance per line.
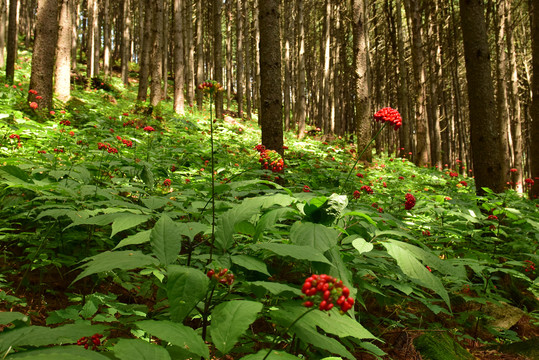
x=486 y=145
x=75 y=20
x=2 y=32
x=146 y=49
x=247 y=41
x=106 y=38
x=228 y=56
x=421 y=156
x=179 y=75
x=126 y=48
x=402 y=89
x=90 y=44
x=239 y=56
x=44 y=50
x=200 y=54
x=271 y=111
x=164 y=48
x=156 y=57
x=299 y=113
x=363 y=119
x=534 y=127
x=62 y=85
x=12 y=32
x=97 y=37
x=190 y=47
x=256 y=63
x=217 y=55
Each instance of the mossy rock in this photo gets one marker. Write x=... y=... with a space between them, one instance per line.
x=440 y=346
x=528 y=348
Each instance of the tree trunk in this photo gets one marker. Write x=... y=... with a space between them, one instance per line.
x=12 y=32
x=271 y=111
x=228 y=56
x=156 y=58
x=402 y=89
x=363 y=119
x=299 y=114
x=247 y=41
x=190 y=46
x=239 y=57
x=90 y=44
x=179 y=75
x=75 y=20
x=534 y=112
x=200 y=54
x=106 y=38
x=486 y=145
x=44 y=49
x=164 y=50
x=126 y=48
x=2 y=32
x=62 y=85
x=217 y=55
x=144 y=70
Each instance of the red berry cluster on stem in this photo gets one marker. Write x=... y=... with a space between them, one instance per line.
x=94 y=340
x=367 y=189
x=210 y=87
x=270 y=159
x=223 y=276
x=410 y=201
x=389 y=115
x=108 y=147
x=329 y=291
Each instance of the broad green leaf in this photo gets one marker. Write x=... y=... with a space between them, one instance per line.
x=127 y=221
x=274 y=355
x=276 y=288
x=11 y=172
x=294 y=251
x=190 y=229
x=110 y=260
x=166 y=240
x=250 y=263
x=176 y=334
x=101 y=220
x=317 y=236
x=139 y=238
x=417 y=272
x=41 y=336
x=185 y=288
x=360 y=214
x=362 y=246
x=71 y=352
x=229 y=320
x=269 y=219
x=9 y=317
x=130 y=349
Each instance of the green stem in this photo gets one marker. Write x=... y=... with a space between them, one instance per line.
x=361 y=154
x=286 y=330
x=212 y=183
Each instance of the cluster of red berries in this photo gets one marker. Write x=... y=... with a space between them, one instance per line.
x=530 y=267
x=210 y=87
x=426 y=233
x=65 y=122
x=513 y=170
x=453 y=174
x=108 y=147
x=94 y=340
x=32 y=91
x=270 y=159
x=15 y=136
x=148 y=129
x=389 y=115
x=223 y=276
x=33 y=105
x=367 y=189
x=329 y=291
x=41 y=152
x=126 y=142
x=167 y=182
x=463 y=183
x=129 y=123
x=306 y=188
x=410 y=201
x=529 y=182
x=492 y=217
x=58 y=150
x=356 y=194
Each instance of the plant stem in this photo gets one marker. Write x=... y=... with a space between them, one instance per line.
x=212 y=183
x=286 y=330
x=361 y=154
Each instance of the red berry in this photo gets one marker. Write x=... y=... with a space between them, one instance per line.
x=345 y=291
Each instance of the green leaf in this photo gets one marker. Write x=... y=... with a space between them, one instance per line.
x=276 y=288
x=274 y=355
x=250 y=263
x=15 y=174
x=147 y=175
x=317 y=236
x=190 y=229
x=100 y=220
x=362 y=246
x=127 y=221
x=71 y=352
x=269 y=219
x=229 y=320
x=139 y=238
x=129 y=349
x=294 y=251
x=185 y=288
x=9 y=317
x=110 y=260
x=42 y=336
x=166 y=240
x=176 y=334
x=417 y=272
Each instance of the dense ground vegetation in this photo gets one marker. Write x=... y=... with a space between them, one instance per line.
x=111 y=240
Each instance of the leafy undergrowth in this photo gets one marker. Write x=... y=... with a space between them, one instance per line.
x=107 y=247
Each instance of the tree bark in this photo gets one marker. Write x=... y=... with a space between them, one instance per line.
x=2 y=32
x=90 y=44
x=271 y=111
x=200 y=54
x=12 y=32
x=145 y=55
x=217 y=55
x=44 y=50
x=62 y=85
x=190 y=46
x=126 y=47
x=179 y=68
x=402 y=90
x=239 y=56
x=247 y=41
x=106 y=38
x=156 y=58
x=299 y=114
x=486 y=145
x=534 y=112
